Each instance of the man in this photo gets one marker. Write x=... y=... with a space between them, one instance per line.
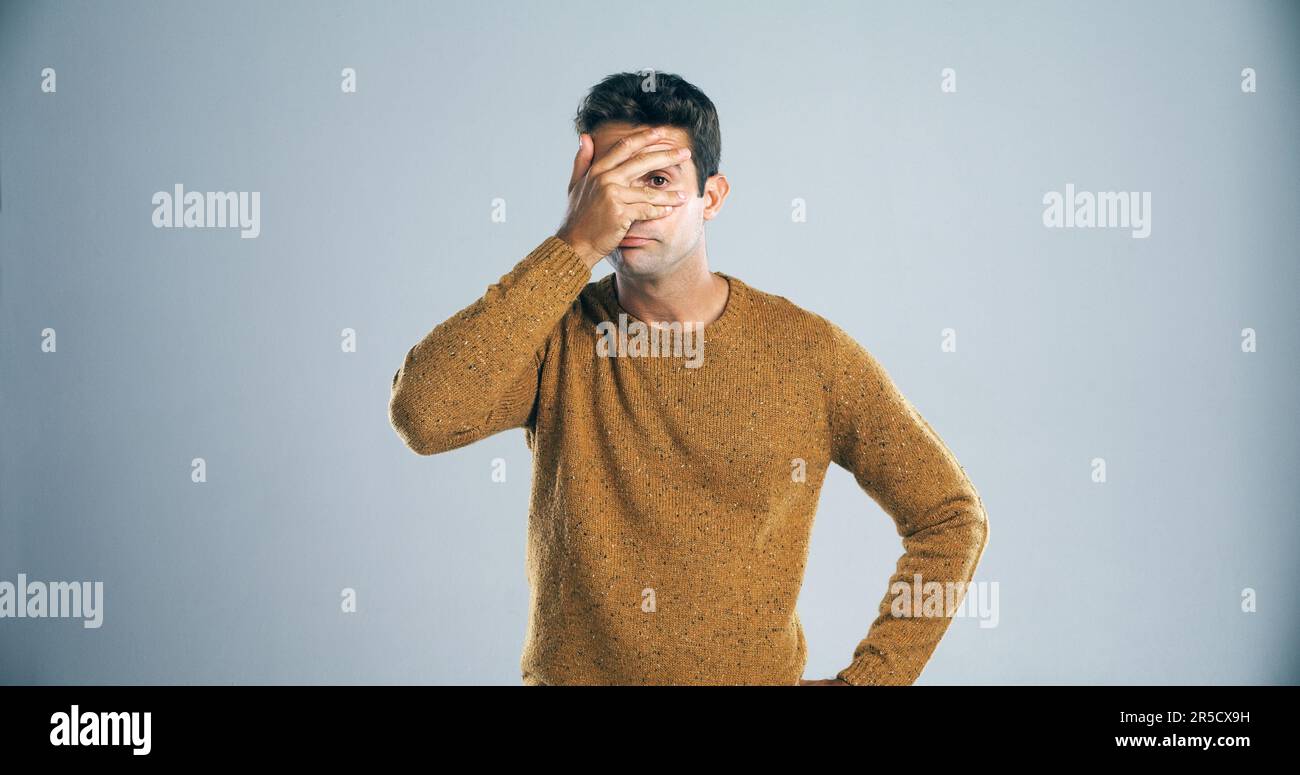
x=674 y=488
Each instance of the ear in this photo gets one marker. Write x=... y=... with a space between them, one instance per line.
x=716 y=189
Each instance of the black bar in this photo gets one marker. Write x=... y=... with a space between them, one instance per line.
x=1032 y=724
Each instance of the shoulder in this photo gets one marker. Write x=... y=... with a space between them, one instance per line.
x=781 y=315
x=817 y=331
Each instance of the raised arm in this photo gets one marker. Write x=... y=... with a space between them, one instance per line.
x=905 y=467
x=476 y=373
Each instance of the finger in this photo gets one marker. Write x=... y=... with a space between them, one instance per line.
x=637 y=166
x=658 y=196
x=627 y=147
x=642 y=211
x=581 y=160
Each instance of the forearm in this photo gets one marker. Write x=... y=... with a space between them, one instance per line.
x=930 y=582
x=475 y=373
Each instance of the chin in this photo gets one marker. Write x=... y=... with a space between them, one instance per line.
x=638 y=260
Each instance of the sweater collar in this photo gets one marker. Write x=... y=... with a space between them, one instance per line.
x=726 y=322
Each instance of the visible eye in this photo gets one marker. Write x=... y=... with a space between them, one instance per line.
x=660 y=177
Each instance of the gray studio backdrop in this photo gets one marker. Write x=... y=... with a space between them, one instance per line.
x=925 y=226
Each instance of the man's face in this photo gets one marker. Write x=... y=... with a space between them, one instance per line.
x=676 y=235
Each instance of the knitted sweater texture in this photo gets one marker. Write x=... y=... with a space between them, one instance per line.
x=673 y=497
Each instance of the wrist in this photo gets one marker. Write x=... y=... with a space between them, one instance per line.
x=584 y=251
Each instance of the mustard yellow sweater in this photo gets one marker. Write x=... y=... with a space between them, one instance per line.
x=672 y=502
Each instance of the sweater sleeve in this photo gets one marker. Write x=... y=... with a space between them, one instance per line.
x=899 y=460
x=476 y=373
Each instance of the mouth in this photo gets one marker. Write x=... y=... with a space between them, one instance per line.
x=631 y=241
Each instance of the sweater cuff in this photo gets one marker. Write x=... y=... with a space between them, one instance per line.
x=559 y=264
x=859 y=673
x=867 y=670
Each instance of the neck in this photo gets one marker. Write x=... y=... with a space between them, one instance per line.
x=688 y=294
